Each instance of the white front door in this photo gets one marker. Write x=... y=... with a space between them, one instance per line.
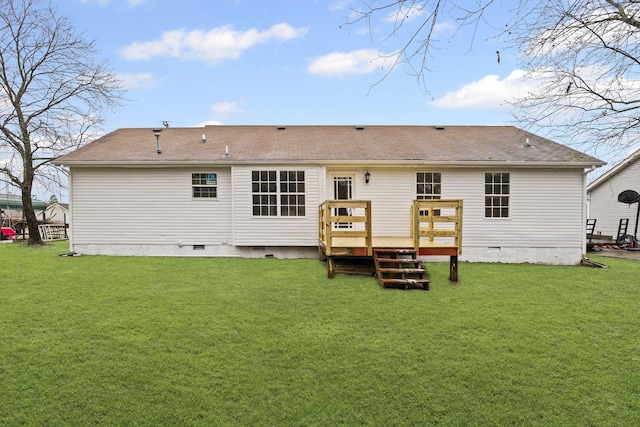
x=343 y=190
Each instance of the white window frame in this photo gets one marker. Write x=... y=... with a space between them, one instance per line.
x=497 y=195
x=433 y=195
x=206 y=181
x=272 y=193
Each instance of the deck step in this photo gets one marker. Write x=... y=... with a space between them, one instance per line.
x=395 y=251
x=398 y=260
x=406 y=283
x=400 y=268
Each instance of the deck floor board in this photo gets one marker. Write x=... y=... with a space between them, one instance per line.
x=385 y=242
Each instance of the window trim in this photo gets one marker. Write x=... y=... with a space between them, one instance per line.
x=204 y=185
x=276 y=195
x=423 y=196
x=500 y=195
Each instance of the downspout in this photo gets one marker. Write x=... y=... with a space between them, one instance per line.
x=586 y=207
x=70 y=235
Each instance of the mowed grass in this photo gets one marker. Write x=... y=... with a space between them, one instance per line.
x=252 y=342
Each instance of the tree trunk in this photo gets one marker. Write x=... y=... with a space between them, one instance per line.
x=30 y=216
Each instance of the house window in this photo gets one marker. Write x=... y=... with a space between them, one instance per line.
x=204 y=185
x=278 y=193
x=496 y=195
x=429 y=185
x=292 y=200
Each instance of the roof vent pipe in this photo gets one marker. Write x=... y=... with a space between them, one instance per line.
x=204 y=139
x=156 y=132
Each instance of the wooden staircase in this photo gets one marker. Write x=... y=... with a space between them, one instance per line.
x=400 y=268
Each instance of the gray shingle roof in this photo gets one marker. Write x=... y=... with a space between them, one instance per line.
x=328 y=144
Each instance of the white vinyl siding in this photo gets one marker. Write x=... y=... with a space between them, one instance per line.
x=147 y=207
x=251 y=230
x=604 y=205
x=391 y=192
x=116 y=207
x=545 y=209
x=545 y=206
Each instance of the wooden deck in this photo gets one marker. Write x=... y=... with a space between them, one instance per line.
x=435 y=230
x=349 y=246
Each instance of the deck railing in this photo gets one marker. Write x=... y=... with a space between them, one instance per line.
x=345 y=219
x=435 y=228
x=437 y=223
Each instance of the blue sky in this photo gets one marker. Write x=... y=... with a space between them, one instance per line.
x=195 y=62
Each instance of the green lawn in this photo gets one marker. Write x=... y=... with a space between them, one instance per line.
x=175 y=341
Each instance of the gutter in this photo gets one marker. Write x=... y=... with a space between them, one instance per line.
x=613 y=171
x=345 y=163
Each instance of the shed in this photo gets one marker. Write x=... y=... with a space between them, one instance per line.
x=602 y=196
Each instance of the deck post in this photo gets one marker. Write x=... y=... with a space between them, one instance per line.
x=369 y=238
x=331 y=268
x=328 y=226
x=415 y=226
x=453 y=268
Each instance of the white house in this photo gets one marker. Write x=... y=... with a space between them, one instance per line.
x=255 y=190
x=602 y=196
x=56 y=213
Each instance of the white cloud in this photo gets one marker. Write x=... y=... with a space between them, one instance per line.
x=227 y=108
x=488 y=92
x=139 y=81
x=444 y=27
x=209 y=123
x=223 y=110
x=131 y=3
x=212 y=47
x=406 y=13
x=341 y=64
x=339 y=5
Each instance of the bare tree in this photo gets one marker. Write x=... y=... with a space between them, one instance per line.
x=581 y=56
x=53 y=92
x=414 y=26
x=584 y=57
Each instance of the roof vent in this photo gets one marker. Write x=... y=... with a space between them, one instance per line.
x=204 y=139
x=359 y=127
x=438 y=127
x=282 y=127
x=156 y=132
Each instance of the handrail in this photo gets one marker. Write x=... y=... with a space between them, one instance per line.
x=345 y=219
x=434 y=223
x=430 y=223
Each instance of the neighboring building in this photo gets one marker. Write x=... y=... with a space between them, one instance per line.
x=13 y=202
x=56 y=213
x=11 y=210
x=255 y=190
x=602 y=196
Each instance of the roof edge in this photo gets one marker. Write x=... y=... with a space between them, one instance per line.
x=614 y=170
x=383 y=163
